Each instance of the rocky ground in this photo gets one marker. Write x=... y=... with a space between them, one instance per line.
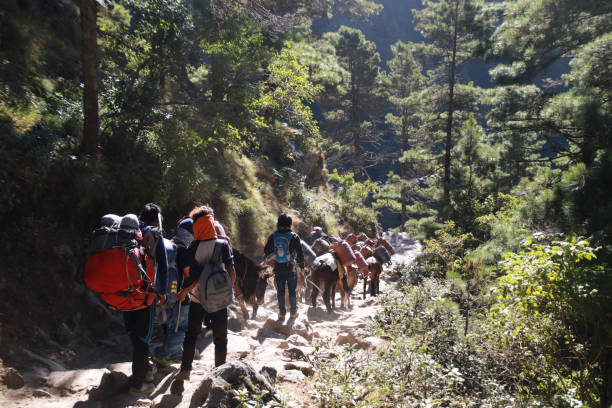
x=267 y=360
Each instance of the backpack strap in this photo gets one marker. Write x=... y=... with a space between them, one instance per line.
x=216 y=255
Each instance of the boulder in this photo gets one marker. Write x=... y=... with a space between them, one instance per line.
x=265 y=333
x=298 y=353
x=220 y=387
x=293 y=376
x=269 y=373
x=111 y=383
x=302 y=366
x=166 y=401
x=300 y=326
x=298 y=340
x=12 y=379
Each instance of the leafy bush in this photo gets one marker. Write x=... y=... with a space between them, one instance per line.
x=352 y=197
x=550 y=314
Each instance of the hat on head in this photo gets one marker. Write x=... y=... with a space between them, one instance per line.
x=129 y=221
x=184 y=232
x=186 y=224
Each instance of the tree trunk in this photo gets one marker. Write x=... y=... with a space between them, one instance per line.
x=89 y=62
x=356 y=130
x=449 y=122
x=403 y=167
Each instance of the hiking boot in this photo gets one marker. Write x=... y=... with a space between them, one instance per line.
x=281 y=317
x=163 y=361
x=182 y=375
x=293 y=315
x=150 y=376
x=145 y=388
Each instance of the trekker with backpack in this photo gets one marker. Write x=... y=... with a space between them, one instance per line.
x=287 y=249
x=210 y=288
x=173 y=315
x=120 y=271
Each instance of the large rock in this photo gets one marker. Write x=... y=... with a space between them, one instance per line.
x=270 y=373
x=220 y=387
x=300 y=326
x=111 y=383
x=298 y=353
x=264 y=333
x=166 y=401
x=302 y=366
x=293 y=376
x=297 y=340
x=12 y=379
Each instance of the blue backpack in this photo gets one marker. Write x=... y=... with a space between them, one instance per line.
x=170 y=285
x=281 y=246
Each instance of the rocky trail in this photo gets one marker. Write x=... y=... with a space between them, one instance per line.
x=266 y=359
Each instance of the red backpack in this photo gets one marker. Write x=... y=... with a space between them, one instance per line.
x=121 y=278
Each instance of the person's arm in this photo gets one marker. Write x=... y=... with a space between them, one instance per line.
x=232 y=273
x=183 y=293
x=269 y=248
x=297 y=248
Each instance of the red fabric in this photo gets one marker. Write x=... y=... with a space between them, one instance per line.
x=344 y=252
x=383 y=242
x=360 y=262
x=111 y=271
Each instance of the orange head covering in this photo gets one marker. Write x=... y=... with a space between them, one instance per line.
x=204 y=228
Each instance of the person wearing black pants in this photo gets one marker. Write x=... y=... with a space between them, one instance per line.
x=202 y=250
x=218 y=322
x=139 y=325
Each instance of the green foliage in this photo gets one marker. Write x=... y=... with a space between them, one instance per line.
x=549 y=311
x=352 y=197
x=445 y=253
x=287 y=91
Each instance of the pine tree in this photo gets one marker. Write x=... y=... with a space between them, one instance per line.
x=360 y=60
x=449 y=25
x=407 y=83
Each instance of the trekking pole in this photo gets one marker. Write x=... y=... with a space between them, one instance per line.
x=178 y=318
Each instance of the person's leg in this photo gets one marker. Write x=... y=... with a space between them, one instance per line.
x=292 y=280
x=139 y=326
x=173 y=342
x=194 y=328
x=218 y=322
x=280 y=279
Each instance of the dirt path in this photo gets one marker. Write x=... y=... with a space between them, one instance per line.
x=282 y=348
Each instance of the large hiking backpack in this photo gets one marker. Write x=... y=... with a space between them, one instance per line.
x=216 y=290
x=281 y=246
x=118 y=269
x=123 y=277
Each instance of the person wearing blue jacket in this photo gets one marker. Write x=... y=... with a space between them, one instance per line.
x=287 y=249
